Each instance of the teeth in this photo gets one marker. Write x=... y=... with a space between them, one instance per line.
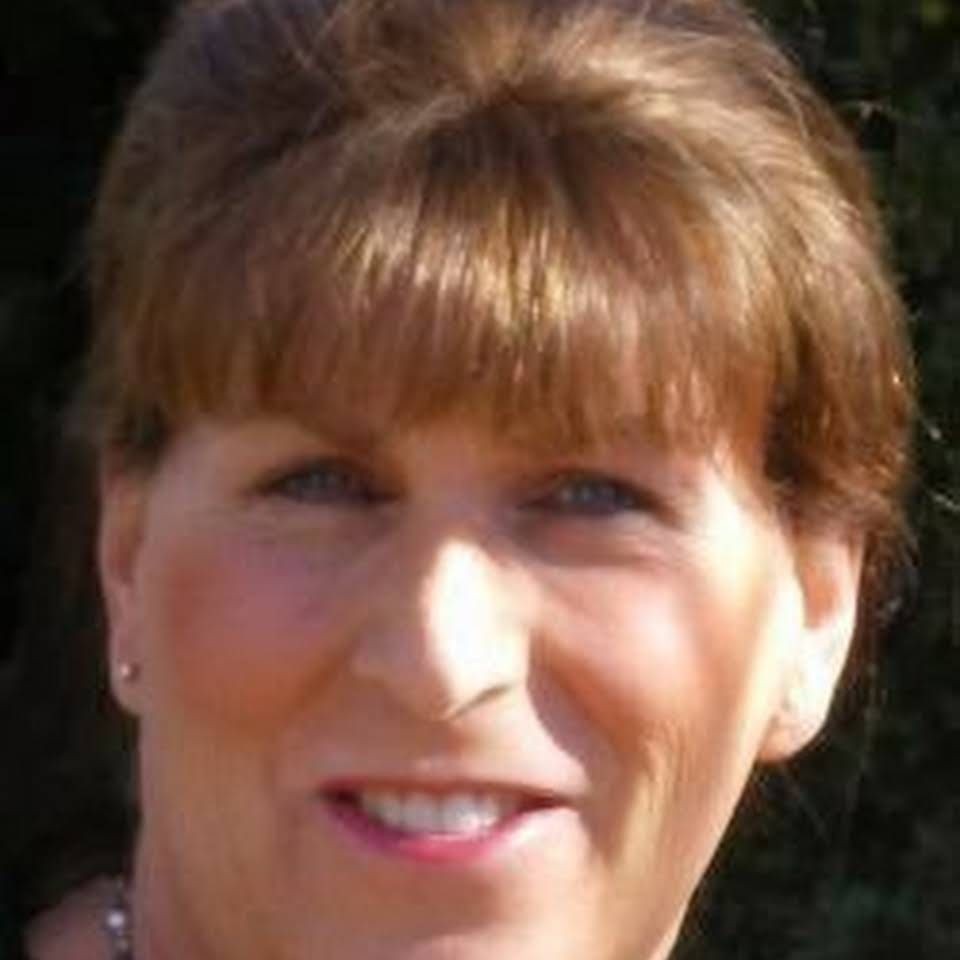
x=459 y=813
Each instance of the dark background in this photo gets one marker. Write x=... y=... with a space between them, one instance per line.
x=851 y=852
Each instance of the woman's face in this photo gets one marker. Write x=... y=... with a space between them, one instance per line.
x=434 y=695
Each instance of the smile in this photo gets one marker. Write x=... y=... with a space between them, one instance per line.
x=457 y=813
x=439 y=825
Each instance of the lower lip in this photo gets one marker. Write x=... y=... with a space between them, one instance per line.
x=439 y=848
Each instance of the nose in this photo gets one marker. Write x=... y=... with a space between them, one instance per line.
x=452 y=636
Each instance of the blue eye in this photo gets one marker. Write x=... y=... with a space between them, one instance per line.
x=593 y=495
x=324 y=482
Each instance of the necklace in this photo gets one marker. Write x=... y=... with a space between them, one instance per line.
x=118 y=923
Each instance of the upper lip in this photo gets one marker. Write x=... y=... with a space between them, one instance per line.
x=533 y=792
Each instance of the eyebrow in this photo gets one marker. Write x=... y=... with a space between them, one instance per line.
x=365 y=435
x=352 y=435
x=621 y=435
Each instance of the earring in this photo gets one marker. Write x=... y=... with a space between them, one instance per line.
x=129 y=671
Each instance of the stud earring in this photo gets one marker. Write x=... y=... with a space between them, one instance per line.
x=129 y=671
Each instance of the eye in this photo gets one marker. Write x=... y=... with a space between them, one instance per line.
x=593 y=495
x=325 y=481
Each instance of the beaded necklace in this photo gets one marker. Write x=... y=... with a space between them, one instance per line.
x=118 y=923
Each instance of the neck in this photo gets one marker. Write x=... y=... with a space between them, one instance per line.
x=164 y=922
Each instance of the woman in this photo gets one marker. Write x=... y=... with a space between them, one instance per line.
x=501 y=409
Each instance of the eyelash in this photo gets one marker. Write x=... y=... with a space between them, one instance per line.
x=323 y=482
x=335 y=482
x=593 y=495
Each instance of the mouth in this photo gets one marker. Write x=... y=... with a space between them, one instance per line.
x=438 y=824
x=454 y=813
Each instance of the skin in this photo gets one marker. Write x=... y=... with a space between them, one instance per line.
x=629 y=630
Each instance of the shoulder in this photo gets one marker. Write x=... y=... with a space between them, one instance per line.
x=73 y=929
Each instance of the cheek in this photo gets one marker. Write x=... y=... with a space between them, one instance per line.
x=236 y=631
x=672 y=656
x=672 y=669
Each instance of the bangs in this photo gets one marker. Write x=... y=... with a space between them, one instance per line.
x=497 y=267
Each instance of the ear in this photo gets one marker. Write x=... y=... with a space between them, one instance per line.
x=828 y=566
x=122 y=509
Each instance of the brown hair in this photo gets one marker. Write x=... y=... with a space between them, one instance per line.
x=558 y=214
